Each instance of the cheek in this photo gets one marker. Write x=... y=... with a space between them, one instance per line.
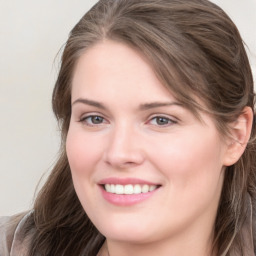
x=82 y=157
x=190 y=163
x=193 y=174
x=82 y=153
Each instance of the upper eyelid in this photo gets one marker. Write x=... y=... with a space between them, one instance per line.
x=167 y=116
x=171 y=121
x=92 y=113
x=83 y=117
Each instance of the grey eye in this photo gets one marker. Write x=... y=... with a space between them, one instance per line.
x=92 y=120
x=162 y=120
x=96 y=119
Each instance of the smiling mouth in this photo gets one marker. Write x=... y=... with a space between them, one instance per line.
x=129 y=189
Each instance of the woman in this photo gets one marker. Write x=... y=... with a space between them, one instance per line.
x=155 y=102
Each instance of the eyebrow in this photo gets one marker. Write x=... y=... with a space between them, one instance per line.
x=142 y=107
x=147 y=106
x=90 y=103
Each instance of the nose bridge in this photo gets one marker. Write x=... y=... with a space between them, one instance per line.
x=124 y=148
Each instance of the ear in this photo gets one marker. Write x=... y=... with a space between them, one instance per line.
x=240 y=135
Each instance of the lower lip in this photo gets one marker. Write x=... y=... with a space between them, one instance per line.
x=126 y=200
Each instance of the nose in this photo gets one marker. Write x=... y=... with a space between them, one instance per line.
x=125 y=148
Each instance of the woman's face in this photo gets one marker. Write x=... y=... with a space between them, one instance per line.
x=162 y=168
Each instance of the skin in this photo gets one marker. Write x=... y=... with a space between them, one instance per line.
x=185 y=156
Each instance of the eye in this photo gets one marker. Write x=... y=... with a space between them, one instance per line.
x=161 y=121
x=93 y=120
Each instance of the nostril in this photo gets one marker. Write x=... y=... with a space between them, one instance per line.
x=123 y=160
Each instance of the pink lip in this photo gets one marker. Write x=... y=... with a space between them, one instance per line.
x=125 y=200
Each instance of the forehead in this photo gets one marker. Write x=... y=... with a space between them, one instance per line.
x=120 y=78
x=109 y=67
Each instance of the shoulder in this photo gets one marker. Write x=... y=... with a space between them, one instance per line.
x=11 y=234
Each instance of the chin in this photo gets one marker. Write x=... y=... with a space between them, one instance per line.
x=132 y=232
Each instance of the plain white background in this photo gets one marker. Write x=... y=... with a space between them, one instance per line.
x=31 y=34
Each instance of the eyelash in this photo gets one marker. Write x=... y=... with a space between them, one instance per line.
x=90 y=123
x=167 y=121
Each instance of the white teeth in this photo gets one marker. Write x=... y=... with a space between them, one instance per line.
x=108 y=187
x=119 y=189
x=137 y=189
x=145 y=188
x=152 y=187
x=129 y=189
x=112 y=188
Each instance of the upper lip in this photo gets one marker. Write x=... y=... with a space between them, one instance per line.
x=125 y=181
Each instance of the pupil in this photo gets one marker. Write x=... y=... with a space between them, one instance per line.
x=162 y=120
x=97 y=120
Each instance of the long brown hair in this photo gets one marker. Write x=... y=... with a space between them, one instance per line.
x=196 y=51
